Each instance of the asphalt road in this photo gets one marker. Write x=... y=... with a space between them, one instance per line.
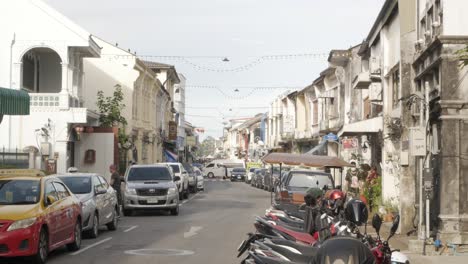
x=210 y=226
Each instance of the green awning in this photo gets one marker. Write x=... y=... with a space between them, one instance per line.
x=14 y=102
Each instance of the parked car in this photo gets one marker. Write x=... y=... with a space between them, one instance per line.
x=297 y=181
x=250 y=175
x=192 y=178
x=268 y=181
x=98 y=199
x=38 y=214
x=259 y=178
x=183 y=182
x=200 y=179
x=150 y=187
x=238 y=174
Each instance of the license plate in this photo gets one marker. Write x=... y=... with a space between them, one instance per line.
x=238 y=177
x=152 y=201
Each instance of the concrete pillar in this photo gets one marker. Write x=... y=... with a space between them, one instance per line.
x=64 y=92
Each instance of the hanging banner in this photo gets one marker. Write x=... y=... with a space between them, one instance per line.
x=172 y=130
x=170 y=156
x=349 y=143
x=199 y=130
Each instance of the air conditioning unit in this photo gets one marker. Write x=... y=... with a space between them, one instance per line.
x=375 y=67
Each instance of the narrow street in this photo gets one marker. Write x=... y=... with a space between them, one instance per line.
x=208 y=230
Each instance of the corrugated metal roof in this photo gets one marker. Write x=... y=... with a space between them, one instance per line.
x=14 y=102
x=306 y=160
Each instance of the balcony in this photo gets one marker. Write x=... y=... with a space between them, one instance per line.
x=56 y=102
x=362 y=81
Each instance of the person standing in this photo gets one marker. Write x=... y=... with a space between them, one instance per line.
x=116 y=183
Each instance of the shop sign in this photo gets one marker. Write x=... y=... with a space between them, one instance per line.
x=191 y=141
x=172 y=130
x=349 y=143
x=417 y=141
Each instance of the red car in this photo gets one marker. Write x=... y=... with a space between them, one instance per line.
x=37 y=215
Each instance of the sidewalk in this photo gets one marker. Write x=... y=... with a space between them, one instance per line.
x=402 y=242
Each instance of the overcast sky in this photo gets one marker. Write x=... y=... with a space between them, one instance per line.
x=241 y=30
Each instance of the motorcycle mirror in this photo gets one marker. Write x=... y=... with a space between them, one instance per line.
x=377 y=223
x=396 y=223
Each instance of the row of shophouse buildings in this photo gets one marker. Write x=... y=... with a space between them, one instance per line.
x=397 y=102
x=61 y=67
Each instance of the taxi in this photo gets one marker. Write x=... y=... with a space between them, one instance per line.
x=38 y=214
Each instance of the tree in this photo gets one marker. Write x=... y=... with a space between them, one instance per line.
x=463 y=56
x=110 y=111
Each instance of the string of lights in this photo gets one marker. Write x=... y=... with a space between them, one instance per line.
x=252 y=90
x=253 y=63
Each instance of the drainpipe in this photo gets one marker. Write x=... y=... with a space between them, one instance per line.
x=11 y=84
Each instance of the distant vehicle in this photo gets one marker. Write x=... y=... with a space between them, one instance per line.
x=192 y=178
x=98 y=198
x=198 y=165
x=38 y=214
x=222 y=168
x=238 y=174
x=250 y=175
x=200 y=179
x=259 y=178
x=183 y=182
x=150 y=187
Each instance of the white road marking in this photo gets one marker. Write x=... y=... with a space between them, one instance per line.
x=91 y=246
x=193 y=231
x=130 y=229
x=188 y=200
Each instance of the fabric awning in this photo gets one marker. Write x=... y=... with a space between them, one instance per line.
x=14 y=102
x=305 y=160
x=372 y=125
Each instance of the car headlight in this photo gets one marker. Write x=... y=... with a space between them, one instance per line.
x=131 y=191
x=20 y=224
x=172 y=190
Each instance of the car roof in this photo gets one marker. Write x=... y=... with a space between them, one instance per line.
x=159 y=165
x=77 y=174
x=315 y=172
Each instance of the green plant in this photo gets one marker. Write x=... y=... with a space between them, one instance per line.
x=110 y=112
x=463 y=56
x=395 y=128
x=373 y=193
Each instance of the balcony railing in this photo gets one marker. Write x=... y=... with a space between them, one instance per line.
x=53 y=100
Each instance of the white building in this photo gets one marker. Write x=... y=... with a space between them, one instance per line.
x=141 y=89
x=179 y=105
x=42 y=52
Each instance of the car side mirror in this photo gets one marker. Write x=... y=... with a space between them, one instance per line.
x=100 y=191
x=50 y=199
x=176 y=178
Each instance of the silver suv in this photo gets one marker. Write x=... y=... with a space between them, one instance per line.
x=150 y=187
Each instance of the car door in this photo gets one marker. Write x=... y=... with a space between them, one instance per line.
x=209 y=168
x=66 y=215
x=52 y=213
x=220 y=171
x=100 y=199
x=110 y=200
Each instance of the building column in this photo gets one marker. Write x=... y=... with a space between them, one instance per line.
x=64 y=92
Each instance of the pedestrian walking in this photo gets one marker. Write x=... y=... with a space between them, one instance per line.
x=115 y=182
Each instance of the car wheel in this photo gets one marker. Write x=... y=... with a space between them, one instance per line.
x=94 y=232
x=175 y=211
x=210 y=175
x=115 y=221
x=76 y=244
x=42 y=248
x=128 y=212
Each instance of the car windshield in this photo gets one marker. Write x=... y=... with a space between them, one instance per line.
x=175 y=168
x=238 y=170
x=149 y=174
x=77 y=184
x=19 y=192
x=252 y=170
x=309 y=179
